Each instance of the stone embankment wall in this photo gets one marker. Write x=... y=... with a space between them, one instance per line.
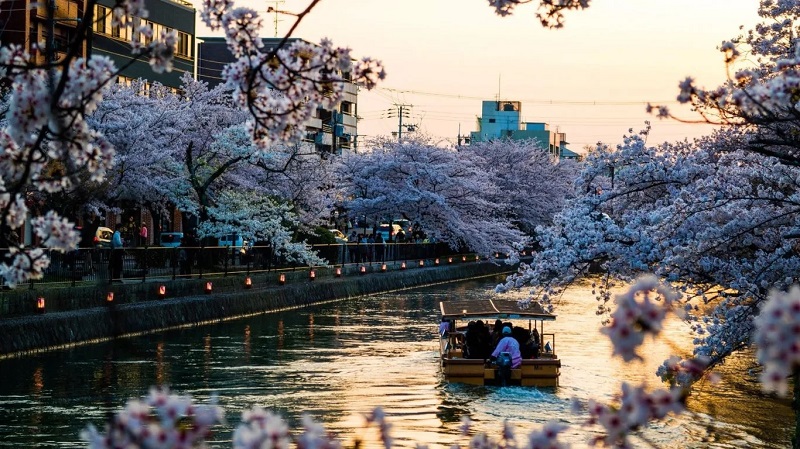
x=137 y=309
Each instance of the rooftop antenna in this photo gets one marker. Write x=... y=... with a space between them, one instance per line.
x=499 y=78
x=276 y=11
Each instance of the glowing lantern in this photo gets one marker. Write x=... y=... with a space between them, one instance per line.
x=110 y=297
x=248 y=283
x=209 y=287
x=162 y=291
x=449 y=260
x=40 y=304
x=338 y=272
x=463 y=258
x=421 y=263
x=363 y=269
x=436 y=262
x=477 y=257
x=282 y=279
x=403 y=266
x=383 y=268
x=312 y=275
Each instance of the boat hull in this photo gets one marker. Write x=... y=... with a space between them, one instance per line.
x=533 y=372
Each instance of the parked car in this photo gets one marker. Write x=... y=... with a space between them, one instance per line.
x=388 y=231
x=102 y=237
x=170 y=239
x=338 y=235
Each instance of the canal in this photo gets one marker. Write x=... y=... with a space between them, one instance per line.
x=339 y=361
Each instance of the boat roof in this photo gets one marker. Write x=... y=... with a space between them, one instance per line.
x=493 y=308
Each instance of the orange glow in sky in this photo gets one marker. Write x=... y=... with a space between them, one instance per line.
x=590 y=80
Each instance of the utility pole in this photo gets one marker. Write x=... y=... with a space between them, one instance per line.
x=402 y=111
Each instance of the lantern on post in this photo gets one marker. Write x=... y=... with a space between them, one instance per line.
x=436 y=262
x=312 y=275
x=463 y=258
x=110 y=297
x=40 y=304
x=403 y=266
x=282 y=279
x=449 y=260
x=363 y=269
x=383 y=268
x=209 y=287
x=248 y=282
x=162 y=291
x=421 y=263
x=339 y=272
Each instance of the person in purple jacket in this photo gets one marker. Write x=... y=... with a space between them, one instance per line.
x=507 y=345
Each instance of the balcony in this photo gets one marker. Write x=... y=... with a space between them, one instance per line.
x=66 y=12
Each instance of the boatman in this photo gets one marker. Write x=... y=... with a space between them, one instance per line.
x=507 y=347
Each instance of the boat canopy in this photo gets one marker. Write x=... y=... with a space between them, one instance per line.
x=493 y=308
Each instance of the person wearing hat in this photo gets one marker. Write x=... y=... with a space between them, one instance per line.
x=507 y=356
x=510 y=345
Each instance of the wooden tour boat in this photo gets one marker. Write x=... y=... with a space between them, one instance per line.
x=461 y=363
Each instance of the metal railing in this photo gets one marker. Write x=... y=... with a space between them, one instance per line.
x=93 y=265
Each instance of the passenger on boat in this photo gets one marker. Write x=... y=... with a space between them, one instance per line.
x=497 y=332
x=534 y=343
x=510 y=345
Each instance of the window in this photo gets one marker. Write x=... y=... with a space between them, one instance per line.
x=102 y=19
x=147 y=40
x=184 y=45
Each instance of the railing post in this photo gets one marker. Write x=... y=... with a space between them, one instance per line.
x=74 y=267
x=173 y=261
x=228 y=253
x=144 y=267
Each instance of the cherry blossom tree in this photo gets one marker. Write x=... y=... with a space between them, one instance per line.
x=447 y=192
x=534 y=184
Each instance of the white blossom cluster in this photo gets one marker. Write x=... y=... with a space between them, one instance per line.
x=636 y=409
x=161 y=420
x=640 y=311
x=777 y=339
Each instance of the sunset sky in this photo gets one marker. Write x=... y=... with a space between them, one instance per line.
x=590 y=79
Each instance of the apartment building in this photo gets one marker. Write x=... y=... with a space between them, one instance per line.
x=27 y=23
x=503 y=120
x=330 y=131
x=168 y=15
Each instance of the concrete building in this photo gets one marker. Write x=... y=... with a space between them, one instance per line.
x=503 y=120
x=26 y=23
x=167 y=15
x=330 y=131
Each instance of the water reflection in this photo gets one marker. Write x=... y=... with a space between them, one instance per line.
x=339 y=361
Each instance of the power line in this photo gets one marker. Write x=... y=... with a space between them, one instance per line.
x=528 y=100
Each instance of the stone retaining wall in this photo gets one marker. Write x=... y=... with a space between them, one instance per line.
x=144 y=312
